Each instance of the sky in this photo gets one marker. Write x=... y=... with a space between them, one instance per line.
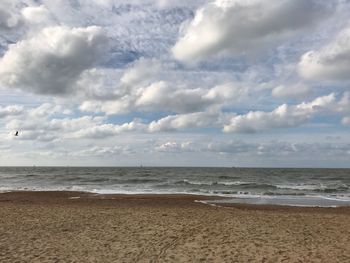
x=258 y=83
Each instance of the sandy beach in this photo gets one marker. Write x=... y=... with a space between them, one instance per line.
x=81 y=227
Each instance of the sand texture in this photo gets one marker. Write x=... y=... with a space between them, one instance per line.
x=59 y=227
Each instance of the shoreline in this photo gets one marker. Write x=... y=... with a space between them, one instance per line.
x=89 y=198
x=83 y=227
x=210 y=200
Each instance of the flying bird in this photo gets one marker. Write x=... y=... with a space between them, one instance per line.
x=16 y=134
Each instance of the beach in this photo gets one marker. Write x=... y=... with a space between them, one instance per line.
x=83 y=227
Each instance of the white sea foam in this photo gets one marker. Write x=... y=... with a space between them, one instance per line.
x=305 y=201
x=301 y=186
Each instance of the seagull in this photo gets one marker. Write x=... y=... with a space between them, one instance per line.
x=16 y=134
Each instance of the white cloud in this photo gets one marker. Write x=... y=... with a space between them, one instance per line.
x=64 y=124
x=9 y=15
x=51 y=62
x=178 y=147
x=123 y=67
x=298 y=90
x=280 y=149
x=163 y=4
x=105 y=130
x=39 y=135
x=100 y=151
x=243 y=27
x=345 y=121
x=282 y=117
x=163 y=96
x=36 y=14
x=103 y=92
x=12 y=110
x=120 y=106
x=231 y=147
x=48 y=109
x=41 y=124
x=140 y=71
x=344 y=103
x=331 y=62
x=38 y=124
x=186 y=121
x=100 y=84
x=160 y=95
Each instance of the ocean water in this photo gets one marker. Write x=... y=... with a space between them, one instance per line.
x=255 y=185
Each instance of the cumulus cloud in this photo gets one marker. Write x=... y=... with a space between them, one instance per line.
x=37 y=125
x=12 y=110
x=42 y=129
x=100 y=84
x=140 y=90
x=281 y=149
x=231 y=147
x=52 y=61
x=160 y=95
x=39 y=135
x=177 y=147
x=53 y=48
x=221 y=147
x=36 y=14
x=168 y=4
x=240 y=27
x=344 y=103
x=103 y=92
x=51 y=125
x=12 y=23
x=140 y=71
x=282 y=117
x=345 y=121
x=186 y=121
x=46 y=123
x=298 y=90
x=331 y=62
x=47 y=110
x=41 y=124
x=106 y=130
x=101 y=151
x=120 y=106
x=10 y=17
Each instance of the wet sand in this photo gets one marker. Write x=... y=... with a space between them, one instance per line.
x=81 y=227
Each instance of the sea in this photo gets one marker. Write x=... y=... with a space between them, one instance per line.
x=281 y=186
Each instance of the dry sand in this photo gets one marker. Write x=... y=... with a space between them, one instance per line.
x=59 y=227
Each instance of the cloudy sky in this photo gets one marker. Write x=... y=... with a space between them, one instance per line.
x=181 y=83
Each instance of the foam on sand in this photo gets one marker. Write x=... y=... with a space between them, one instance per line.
x=306 y=201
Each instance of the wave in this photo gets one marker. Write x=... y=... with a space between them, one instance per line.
x=299 y=186
x=283 y=194
x=207 y=192
x=241 y=184
x=102 y=181
x=270 y=183
x=97 y=180
x=137 y=181
x=333 y=189
x=188 y=182
x=314 y=187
